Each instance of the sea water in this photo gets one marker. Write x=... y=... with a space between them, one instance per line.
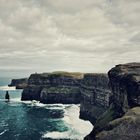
x=24 y=120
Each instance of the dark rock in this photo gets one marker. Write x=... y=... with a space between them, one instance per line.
x=56 y=87
x=31 y=92
x=105 y=108
x=7 y=97
x=95 y=94
x=124 y=128
x=125 y=85
x=19 y=83
x=61 y=94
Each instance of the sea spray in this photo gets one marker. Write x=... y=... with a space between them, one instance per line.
x=78 y=128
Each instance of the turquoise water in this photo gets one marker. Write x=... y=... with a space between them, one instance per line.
x=36 y=121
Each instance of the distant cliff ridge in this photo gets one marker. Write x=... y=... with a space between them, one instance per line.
x=19 y=83
x=95 y=94
x=56 y=87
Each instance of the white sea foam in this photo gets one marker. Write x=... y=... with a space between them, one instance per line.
x=77 y=125
x=4 y=88
x=49 y=106
x=56 y=106
x=37 y=103
x=78 y=128
x=3 y=132
x=57 y=135
x=18 y=100
x=15 y=99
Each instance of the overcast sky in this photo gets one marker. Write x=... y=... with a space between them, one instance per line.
x=70 y=35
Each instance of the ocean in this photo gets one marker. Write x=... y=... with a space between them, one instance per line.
x=24 y=120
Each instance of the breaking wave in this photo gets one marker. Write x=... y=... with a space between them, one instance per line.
x=78 y=128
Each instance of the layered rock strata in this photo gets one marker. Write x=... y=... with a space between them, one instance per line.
x=125 y=84
x=57 y=87
x=114 y=113
x=121 y=120
x=95 y=94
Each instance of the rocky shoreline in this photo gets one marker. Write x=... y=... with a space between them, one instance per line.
x=109 y=101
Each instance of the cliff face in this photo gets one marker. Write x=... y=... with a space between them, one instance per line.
x=114 y=113
x=125 y=96
x=95 y=94
x=19 y=83
x=59 y=87
x=125 y=84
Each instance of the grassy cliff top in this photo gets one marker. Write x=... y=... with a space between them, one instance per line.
x=76 y=75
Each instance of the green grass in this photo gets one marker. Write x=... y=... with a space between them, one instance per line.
x=105 y=118
x=77 y=75
x=130 y=117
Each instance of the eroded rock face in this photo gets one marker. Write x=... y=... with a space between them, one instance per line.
x=125 y=84
x=95 y=94
x=60 y=87
x=124 y=128
x=62 y=94
x=31 y=92
x=19 y=83
x=125 y=96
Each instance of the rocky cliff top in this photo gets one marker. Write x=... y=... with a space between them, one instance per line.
x=131 y=69
x=125 y=83
x=55 y=78
x=76 y=75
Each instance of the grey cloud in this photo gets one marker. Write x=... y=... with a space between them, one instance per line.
x=69 y=7
x=81 y=35
x=136 y=38
x=125 y=12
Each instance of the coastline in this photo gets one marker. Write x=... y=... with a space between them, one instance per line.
x=70 y=119
x=103 y=99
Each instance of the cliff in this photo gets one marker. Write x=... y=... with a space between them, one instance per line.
x=95 y=94
x=111 y=104
x=121 y=120
x=19 y=83
x=125 y=128
x=56 y=87
x=125 y=84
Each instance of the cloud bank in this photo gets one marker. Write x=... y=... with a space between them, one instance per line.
x=80 y=35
